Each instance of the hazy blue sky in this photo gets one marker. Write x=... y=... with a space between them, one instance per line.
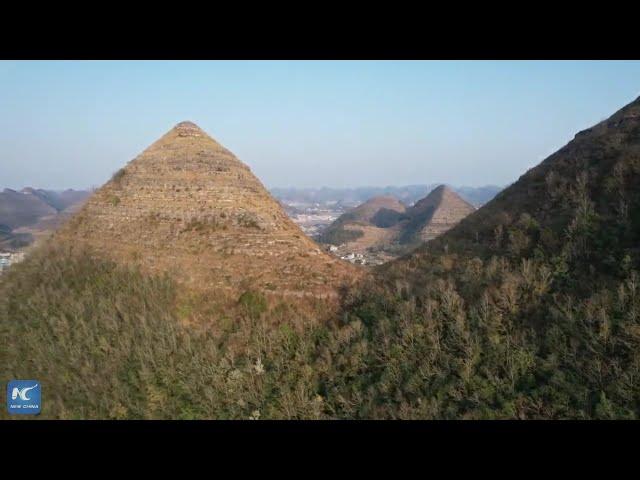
x=343 y=123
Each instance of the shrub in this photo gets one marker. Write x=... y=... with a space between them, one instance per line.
x=247 y=220
x=254 y=303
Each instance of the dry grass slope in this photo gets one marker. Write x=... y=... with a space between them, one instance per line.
x=187 y=205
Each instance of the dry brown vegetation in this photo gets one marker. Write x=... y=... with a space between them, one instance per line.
x=188 y=206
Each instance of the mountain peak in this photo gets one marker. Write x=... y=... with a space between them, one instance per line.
x=188 y=128
x=187 y=124
x=189 y=137
x=436 y=213
x=187 y=204
x=442 y=193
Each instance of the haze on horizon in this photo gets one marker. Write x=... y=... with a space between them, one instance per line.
x=71 y=124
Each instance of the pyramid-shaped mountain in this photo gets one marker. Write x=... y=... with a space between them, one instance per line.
x=436 y=213
x=366 y=220
x=187 y=205
x=374 y=209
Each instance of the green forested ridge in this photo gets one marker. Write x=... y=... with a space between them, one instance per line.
x=527 y=309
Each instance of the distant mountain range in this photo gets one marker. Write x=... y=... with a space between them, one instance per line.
x=34 y=209
x=27 y=206
x=350 y=197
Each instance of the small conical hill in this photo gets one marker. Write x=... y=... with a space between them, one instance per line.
x=435 y=214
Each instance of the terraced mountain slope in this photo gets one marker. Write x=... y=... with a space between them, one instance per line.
x=436 y=213
x=187 y=205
